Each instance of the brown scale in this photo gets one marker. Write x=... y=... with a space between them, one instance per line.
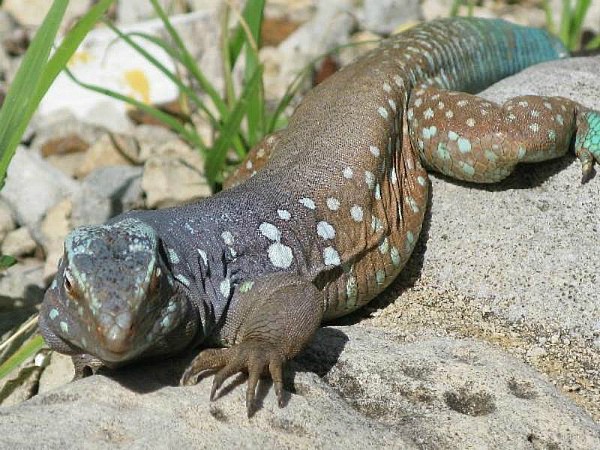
x=481 y=141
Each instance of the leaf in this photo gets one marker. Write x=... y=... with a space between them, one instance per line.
x=6 y=261
x=27 y=350
x=191 y=136
x=37 y=73
x=253 y=17
x=156 y=63
x=216 y=157
x=26 y=82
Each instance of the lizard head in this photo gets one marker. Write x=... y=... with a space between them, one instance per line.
x=113 y=296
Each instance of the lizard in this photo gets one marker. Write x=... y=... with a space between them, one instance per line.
x=321 y=217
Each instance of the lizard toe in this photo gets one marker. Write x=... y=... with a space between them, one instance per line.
x=209 y=359
x=256 y=358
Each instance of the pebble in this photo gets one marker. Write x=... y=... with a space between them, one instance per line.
x=18 y=243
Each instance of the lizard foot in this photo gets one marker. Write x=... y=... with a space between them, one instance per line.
x=254 y=357
x=587 y=142
x=277 y=317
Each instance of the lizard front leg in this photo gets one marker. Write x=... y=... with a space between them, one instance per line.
x=275 y=319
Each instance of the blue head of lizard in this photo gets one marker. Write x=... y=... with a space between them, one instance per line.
x=113 y=296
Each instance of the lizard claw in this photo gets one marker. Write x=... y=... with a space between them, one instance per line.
x=587 y=142
x=254 y=358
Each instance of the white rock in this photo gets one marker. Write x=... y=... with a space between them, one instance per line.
x=24 y=280
x=102 y=153
x=18 y=243
x=174 y=175
x=133 y=11
x=115 y=65
x=31 y=13
x=33 y=186
x=385 y=16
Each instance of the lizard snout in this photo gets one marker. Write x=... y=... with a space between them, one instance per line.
x=116 y=332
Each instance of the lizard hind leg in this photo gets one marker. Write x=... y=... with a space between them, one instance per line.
x=587 y=141
x=275 y=318
x=471 y=139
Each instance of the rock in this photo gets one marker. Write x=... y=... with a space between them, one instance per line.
x=355 y=387
x=174 y=175
x=7 y=24
x=18 y=243
x=58 y=370
x=149 y=140
x=33 y=186
x=103 y=153
x=113 y=64
x=133 y=11
x=16 y=42
x=515 y=256
x=364 y=41
x=385 y=16
x=24 y=281
x=295 y=10
x=63 y=133
x=7 y=222
x=331 y=26
x=106 y=192
x=32 y=12
x=65 y=153
x=52 y=232
x=71 y=143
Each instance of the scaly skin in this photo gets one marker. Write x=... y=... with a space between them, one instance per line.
x=327 y=222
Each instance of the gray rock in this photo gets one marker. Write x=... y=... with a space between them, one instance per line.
x=18 y=243
x=174 y=175
x=7 y=24
x=32 y=12
x=371 y=391
x=106 y=192
x=24 y=281
x=61 y=125
x=132 y=11
x=526 y=248
x=386 y=16
x=33 y=186
x=59 y=369
x=105 y=152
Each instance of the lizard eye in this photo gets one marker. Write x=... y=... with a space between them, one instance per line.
x=68 y=283
x=155 y=280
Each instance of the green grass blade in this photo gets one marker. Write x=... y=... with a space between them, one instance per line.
x=550 y=25
x=189 y=63
x=13 y=115
x=216 y=157
x=225 y=61
x=252 y=18
x=247 y=35
x=192 y=137
x=39 y=73
x=163 y=69
x=454 y=8
x=565 y=22
x=27 y=350
x=7 y=261
x=581 y=8
x=593 y=44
